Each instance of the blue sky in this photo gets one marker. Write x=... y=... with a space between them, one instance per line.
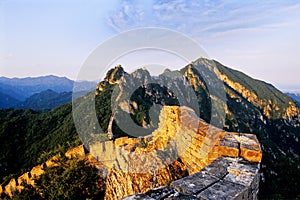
x=260 y=38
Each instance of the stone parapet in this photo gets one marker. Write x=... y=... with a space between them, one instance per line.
x=225 y=178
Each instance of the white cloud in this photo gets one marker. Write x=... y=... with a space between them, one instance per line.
x=201 y=16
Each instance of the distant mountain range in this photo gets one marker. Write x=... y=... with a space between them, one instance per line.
x=294 y=95
x=39 y=93
x=7 y=101
x=45 y=100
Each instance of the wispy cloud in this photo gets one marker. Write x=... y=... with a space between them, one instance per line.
x=128 y=15
x=202 y=17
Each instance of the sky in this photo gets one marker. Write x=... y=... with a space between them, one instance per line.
x=259 y=38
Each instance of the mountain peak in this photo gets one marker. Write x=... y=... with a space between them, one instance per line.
x=113 y=75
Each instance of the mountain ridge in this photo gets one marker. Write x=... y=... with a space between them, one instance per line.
x=294 y=95
x=25 y=89
x=45 y=100
x=247 y=110
x=260 y=109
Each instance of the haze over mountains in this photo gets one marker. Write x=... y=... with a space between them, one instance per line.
x=38 y=93
x=294 y=95
x=251 y=106
x=48 y=92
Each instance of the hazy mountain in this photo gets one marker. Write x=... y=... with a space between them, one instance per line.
x=7 y=101
x=45 y=100
x=251 y=106
x=26 y=87
x=12 y=91
x=294 y=95
x=23 y=89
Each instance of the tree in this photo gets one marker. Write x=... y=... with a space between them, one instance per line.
x=70 y=179
x=67 y=179
x=28 y=193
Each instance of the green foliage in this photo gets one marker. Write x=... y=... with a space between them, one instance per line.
x=28 y=193
x=145 y=101
x=70 y=179
x=25 y=134
x=28 y=137
x=265 y=91
x=45 y=100
x=277 y=137
x=281 y=178
x=103 y=106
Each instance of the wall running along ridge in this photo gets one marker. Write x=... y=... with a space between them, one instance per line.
x=182 y=145
x=184 y=157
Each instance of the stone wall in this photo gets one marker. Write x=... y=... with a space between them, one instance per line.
x=224 y=178
x=185 y=156
x=182 y=145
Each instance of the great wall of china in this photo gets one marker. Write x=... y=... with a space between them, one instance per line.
x=184 y=156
